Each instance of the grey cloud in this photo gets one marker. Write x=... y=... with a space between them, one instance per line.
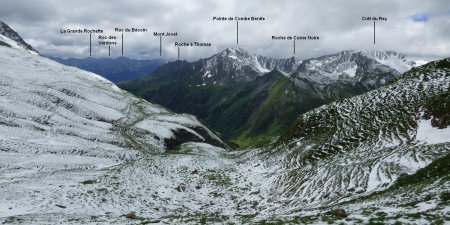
x=338 y=23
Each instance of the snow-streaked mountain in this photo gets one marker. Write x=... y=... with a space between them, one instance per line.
x=12 y=38
x=237 y=65
x=395 y=60
x=370 y=67
x=46 y=102
x=233 y=84
x=354 y=147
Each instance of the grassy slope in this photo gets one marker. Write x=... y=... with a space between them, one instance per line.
x=250 y=113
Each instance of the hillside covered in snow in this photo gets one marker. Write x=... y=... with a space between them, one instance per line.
x=76 y=149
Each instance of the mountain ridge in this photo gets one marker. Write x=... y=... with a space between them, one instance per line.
x=205 y=87
x=9 y=33
x=118 y=69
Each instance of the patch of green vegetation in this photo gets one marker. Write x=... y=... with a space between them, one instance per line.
x=93 y=217
x=216 y=177
x=202 y=220
x=74 y=219
x=438 y=109
x=242 y=112
x=369 y=211
x=271 y=222
x=257 y=141
x=375 y=222
x=411 y=203
x=12 y=219
x=103 y=190
x=88 y=182
x=414 y=215
x=381 y=215
x=183 y=169
x=438 y=222
x=445 y=196
x=443 y=64
x=330 y=219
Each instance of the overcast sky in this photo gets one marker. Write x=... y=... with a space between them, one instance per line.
x=417 y=27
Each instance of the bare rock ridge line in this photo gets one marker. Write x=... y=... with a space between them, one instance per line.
x=11 y=34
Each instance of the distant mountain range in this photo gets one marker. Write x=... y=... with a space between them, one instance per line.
x=114 y=69
x=243 y=95
x=237 y=65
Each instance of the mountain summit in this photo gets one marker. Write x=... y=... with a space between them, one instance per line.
x=369 y=67
x=395 y=60
x=235 y=65
x=12 y=38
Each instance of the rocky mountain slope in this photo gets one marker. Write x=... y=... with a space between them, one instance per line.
x=6 y=31
x=114 y=69
x=355 y=147
x=367 y=69
x=237 y=84
x=236 y=65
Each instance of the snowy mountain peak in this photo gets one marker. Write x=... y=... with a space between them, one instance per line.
x=10 y=38
x=395 y=60
x=239 y=54
x=373 y=68
x=237 y=65
x=384 y=54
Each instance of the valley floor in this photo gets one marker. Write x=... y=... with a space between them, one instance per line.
x=199 y=180
x=198 y=184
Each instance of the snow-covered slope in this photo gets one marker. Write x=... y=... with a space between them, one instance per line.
x=75 y=149
x=60 y=126
x=371 y=68
x=44 y=102
x=395 y=60
x=11 y=38
x=354 y=147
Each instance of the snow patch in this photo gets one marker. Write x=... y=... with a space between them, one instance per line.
x=431 y=135
x=207 y=74
x=351 y=71
x=421 y=62
x=14 y=44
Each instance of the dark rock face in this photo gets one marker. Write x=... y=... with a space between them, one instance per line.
x=182 y=136
x=181 y=187
x=339 y=212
